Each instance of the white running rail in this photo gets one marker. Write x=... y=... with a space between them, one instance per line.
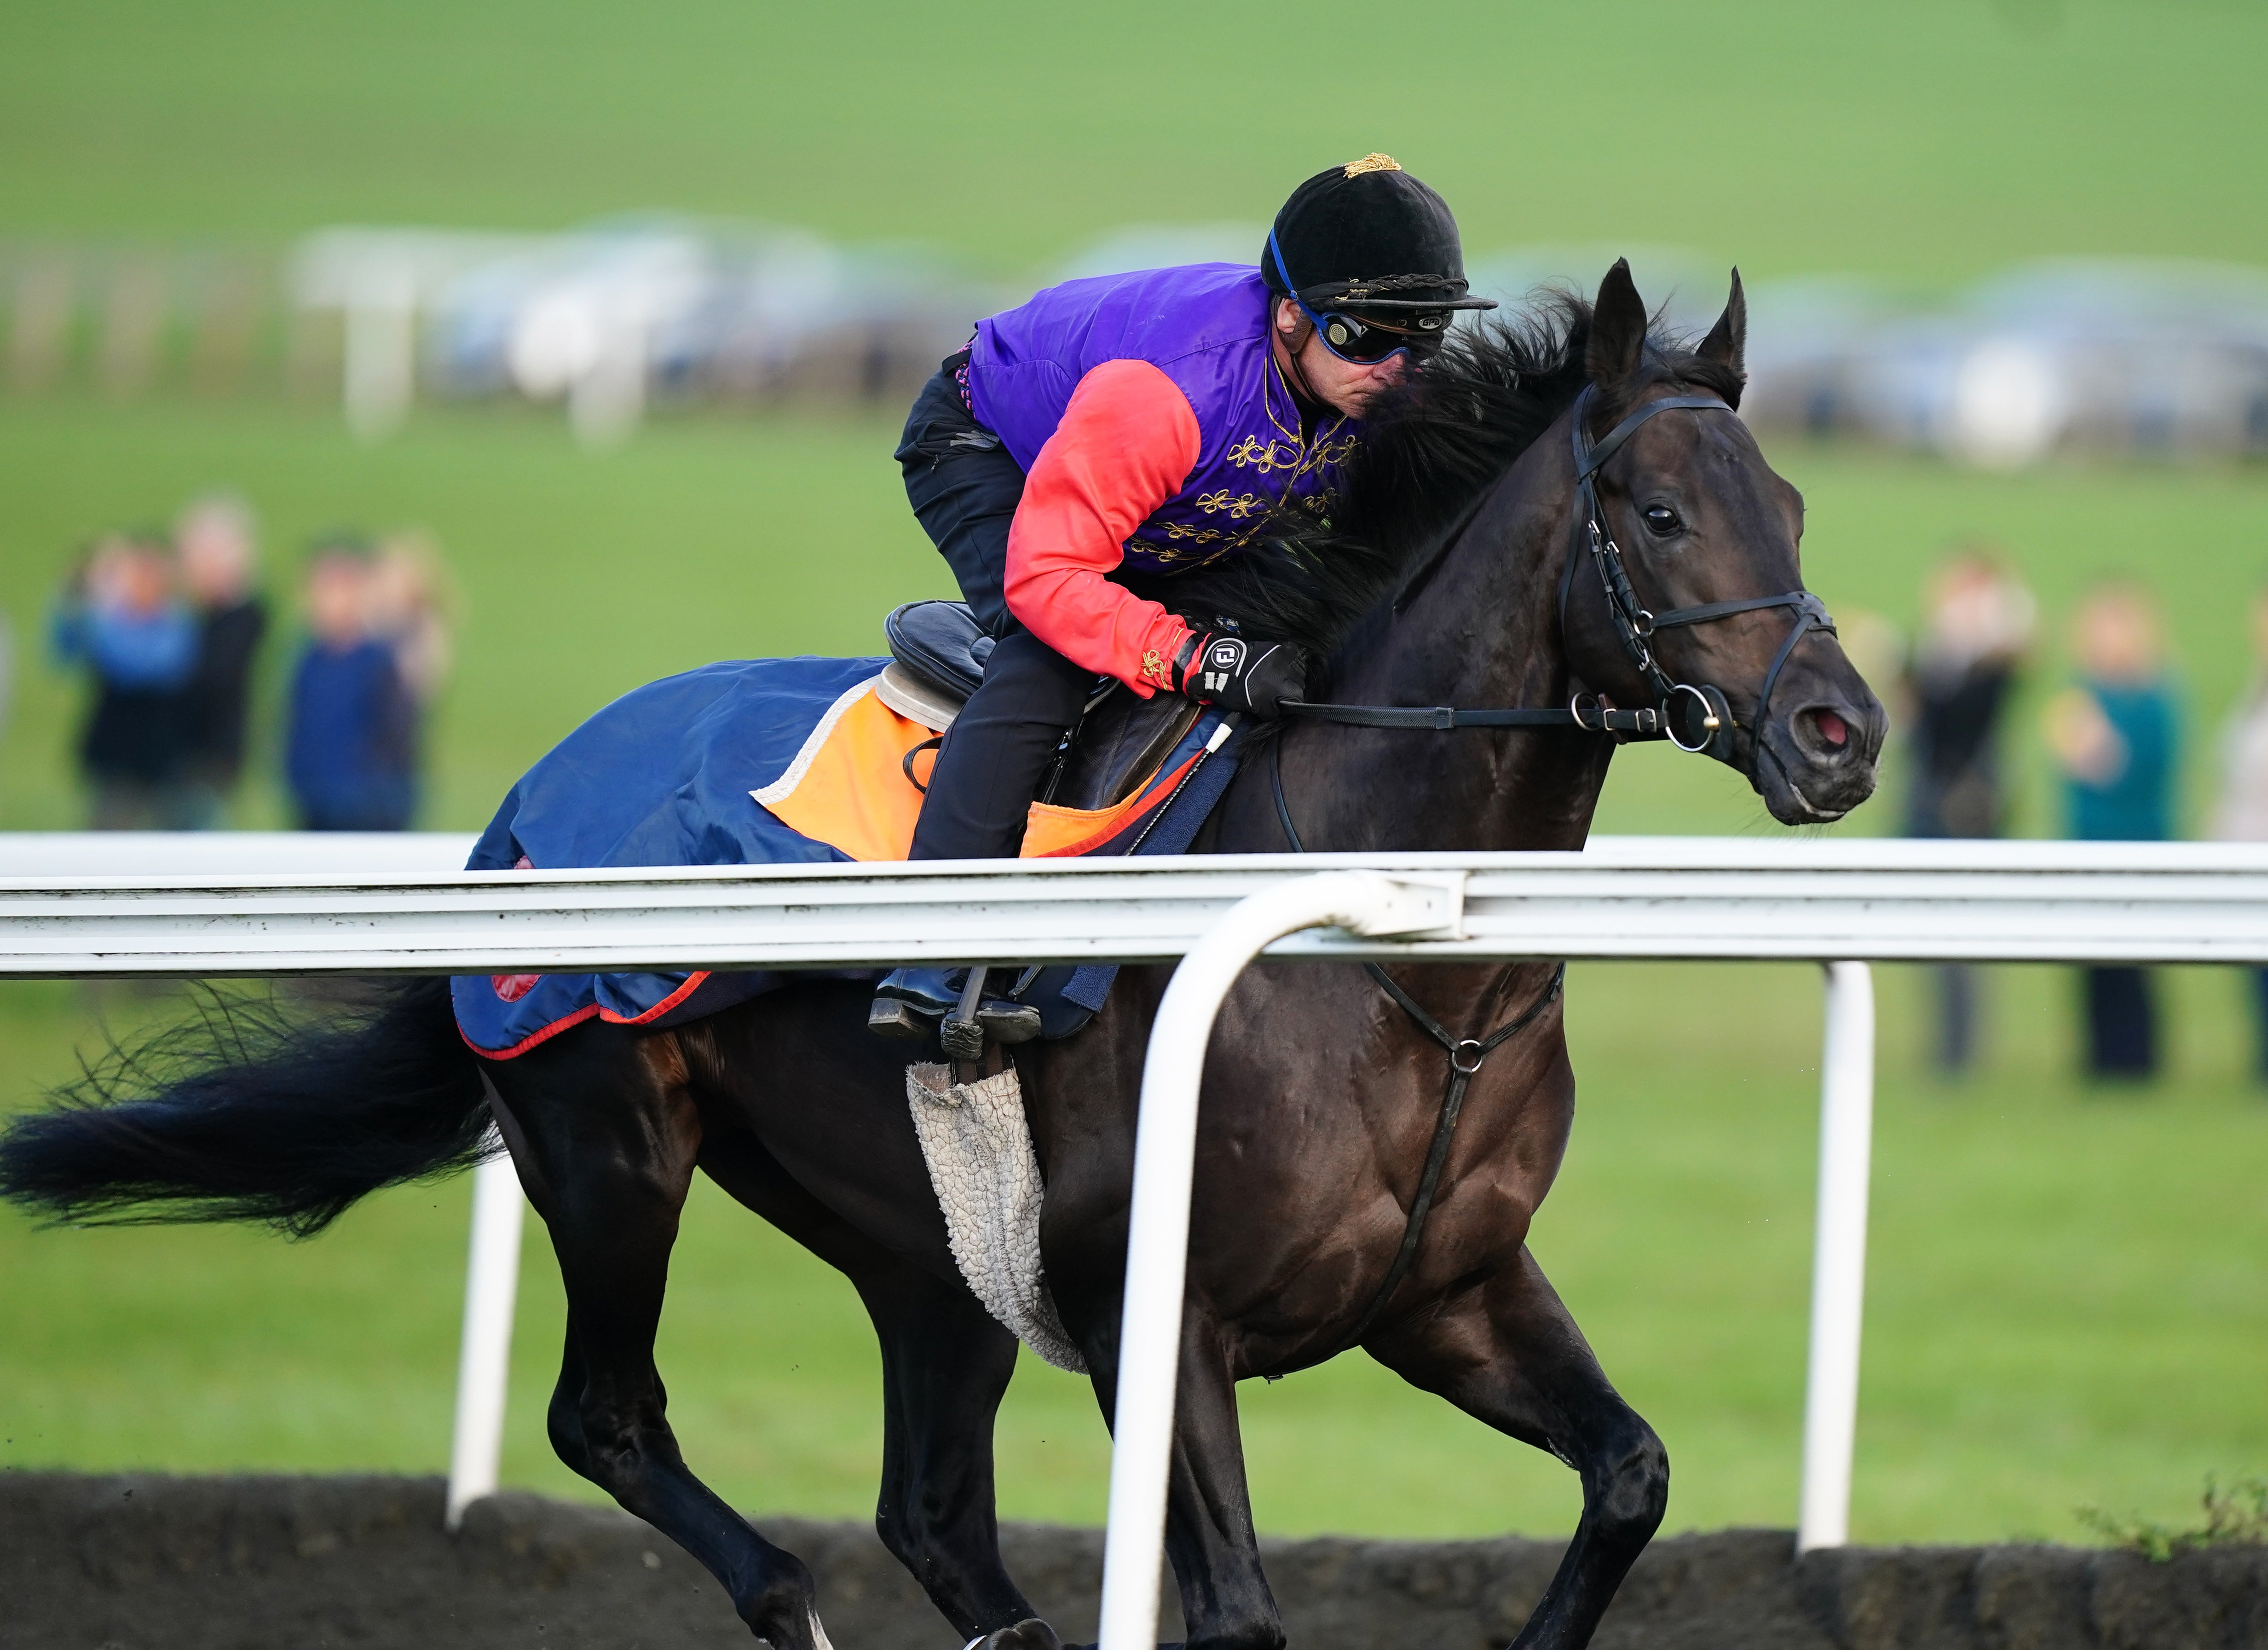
x=1157 y=1237
x=484 y=1348
x=249 y=905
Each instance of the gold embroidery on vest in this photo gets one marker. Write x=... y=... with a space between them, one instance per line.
x=1238 y=508
x=1266 y=457
x=1297 y=460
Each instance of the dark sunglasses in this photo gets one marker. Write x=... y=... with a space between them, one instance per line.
x=1367 y=343
x=1362 y=342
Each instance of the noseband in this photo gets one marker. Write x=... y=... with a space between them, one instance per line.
x=1694 y=716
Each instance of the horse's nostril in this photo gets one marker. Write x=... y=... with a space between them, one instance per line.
x=1832 y=728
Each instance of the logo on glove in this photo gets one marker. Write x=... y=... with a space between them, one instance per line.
x=1224 y=658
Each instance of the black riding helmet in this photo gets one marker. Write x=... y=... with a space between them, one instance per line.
x=1368 y=244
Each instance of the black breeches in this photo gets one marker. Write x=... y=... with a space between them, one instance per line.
x=996 y=750
x=965 y=489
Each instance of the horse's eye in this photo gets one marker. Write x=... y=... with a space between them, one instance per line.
x=1661 y=520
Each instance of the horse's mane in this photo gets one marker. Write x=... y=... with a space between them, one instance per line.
x=1430 y=447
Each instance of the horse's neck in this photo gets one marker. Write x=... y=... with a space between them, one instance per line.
x=1483 y=632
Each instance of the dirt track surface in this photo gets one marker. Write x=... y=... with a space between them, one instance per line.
x=136 y=1563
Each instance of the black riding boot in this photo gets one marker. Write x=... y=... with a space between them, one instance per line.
x=980 y=793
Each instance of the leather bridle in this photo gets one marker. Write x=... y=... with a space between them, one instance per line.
x=1694 y=716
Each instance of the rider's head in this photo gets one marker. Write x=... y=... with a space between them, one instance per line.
x=1365 y=269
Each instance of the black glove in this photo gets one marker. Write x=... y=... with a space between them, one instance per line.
x=1239 y=674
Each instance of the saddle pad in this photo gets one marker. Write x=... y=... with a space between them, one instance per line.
x=857 y=784
x=753 y=761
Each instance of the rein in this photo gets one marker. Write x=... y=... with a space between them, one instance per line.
x=1466 y=1055
x=1695 y=717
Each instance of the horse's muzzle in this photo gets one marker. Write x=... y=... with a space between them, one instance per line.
x=1816 y=761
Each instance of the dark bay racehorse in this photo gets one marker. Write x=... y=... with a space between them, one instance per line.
x=1321 y=1095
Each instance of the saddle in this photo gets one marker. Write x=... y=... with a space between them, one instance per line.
x=1134 y=776
x=938 y=652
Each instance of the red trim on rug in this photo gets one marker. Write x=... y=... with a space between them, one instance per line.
x=544 y=1034
x=692 y=984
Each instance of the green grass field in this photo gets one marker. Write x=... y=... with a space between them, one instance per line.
x=2069 y=1299
x=2069 y=1290
x=2066 y=1306
x=1932 y=141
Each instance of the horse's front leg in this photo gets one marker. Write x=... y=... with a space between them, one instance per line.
x=945 y=1366
x=1226 y=1604
x=1506 y=1353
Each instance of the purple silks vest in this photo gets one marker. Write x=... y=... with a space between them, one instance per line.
x=1205 y=327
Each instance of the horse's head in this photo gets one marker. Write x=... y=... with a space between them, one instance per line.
x=1700 y=519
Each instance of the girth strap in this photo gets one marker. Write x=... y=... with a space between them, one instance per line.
x=1465 y=1057
x=1465 y=1054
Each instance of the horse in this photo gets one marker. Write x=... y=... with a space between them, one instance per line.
x=1468 y=564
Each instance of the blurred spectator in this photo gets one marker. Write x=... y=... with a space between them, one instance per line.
x=2114 y=734
x=351 y=752
x=214 y=539
x=2241 y=813
x=409 y=598
x=121 y=615
x=1976 y=622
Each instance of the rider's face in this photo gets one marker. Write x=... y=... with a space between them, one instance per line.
x=1347 y=385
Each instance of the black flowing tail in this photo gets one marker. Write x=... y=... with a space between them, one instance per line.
x=254 y=1112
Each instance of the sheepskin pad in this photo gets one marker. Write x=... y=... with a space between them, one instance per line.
x=987 y=1180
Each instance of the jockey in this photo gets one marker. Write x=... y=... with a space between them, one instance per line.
x=1149 y=422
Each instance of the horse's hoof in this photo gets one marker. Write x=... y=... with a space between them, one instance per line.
x=1024 y=1635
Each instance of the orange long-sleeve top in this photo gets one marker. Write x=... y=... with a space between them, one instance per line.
x=1127 y=443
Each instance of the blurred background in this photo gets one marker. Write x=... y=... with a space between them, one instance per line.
x=432 y=373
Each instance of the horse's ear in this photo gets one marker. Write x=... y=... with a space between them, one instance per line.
x=1728 y=340
x=1617 y=328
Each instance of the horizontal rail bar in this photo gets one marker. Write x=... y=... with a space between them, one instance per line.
x=42 y=855
x=61 y=854
x=1670 y=898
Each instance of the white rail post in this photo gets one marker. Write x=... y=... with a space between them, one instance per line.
x=484 y=1357
x=1838 y=1268
x=1157 y=1236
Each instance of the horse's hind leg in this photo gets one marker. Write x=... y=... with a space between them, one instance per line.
x=946 y=1365
x=1506 y=1352
x=605 y=1136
